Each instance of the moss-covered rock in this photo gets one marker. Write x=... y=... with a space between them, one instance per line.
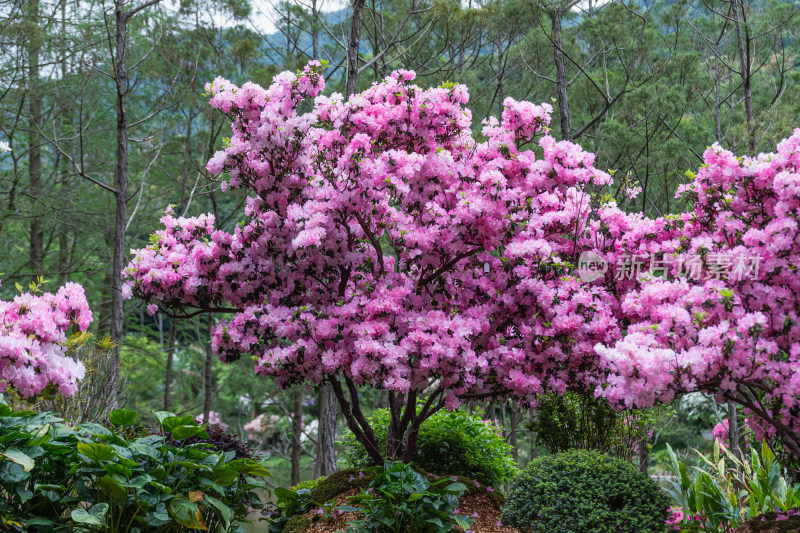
x=297 y=524
x=340 y=482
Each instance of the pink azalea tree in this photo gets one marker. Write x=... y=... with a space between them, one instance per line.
x=33 y=331
x=723 y=316
x=383 y=245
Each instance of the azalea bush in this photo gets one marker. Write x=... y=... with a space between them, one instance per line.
x=34 y=329
x=122 y=477
x=385 y=245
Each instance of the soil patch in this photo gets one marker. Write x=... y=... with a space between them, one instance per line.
x=479 y=506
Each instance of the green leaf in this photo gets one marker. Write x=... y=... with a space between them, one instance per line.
x=162 y=415
x=16 y=456
x=96 y=452
x=187 y=513
x=122 y=417
x=116 y=494
x=170 y=423
x=95 y=516
x=224 y=511
x=187 y=432
x=248 y=466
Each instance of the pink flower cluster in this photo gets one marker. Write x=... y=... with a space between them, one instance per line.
x=33 y=330
x=385 y=243
x=261 y=426
x=720 y=432
x=736 y=338
x=214 y=420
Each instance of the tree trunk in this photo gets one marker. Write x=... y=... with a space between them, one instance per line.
x=717 y=102
x=314 y=30
x=207 y=391
x=297 y=431
x=644 y=455
x=35 y=150
x=743 y=42
x=325 y=464
x=168 y=371
x=733 y=430
x=513 y=438
x=352 y=49
x=121 y=187
x=561 y=75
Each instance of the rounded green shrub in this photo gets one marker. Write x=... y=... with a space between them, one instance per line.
x=450 y=443
x=582 y=491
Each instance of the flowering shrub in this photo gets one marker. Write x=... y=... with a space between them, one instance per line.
x=214 y=420
x=733 y=336
x=261 y=426
x=383 y=245
x=34 y=329
x=587 y=492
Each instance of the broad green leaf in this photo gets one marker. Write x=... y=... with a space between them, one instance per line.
x=161 y=415
x=96 y=452
x=116 y=494
x=224 y=511
x=187 y=432
x=172 y=422
x=95 y=516
x=16 y=456
x=248 y=466
x=187 y=513
x=122 y=417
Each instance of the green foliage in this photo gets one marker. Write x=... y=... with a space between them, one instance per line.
x=568 y=421
x=583 y=491
x=727 y=491
x=400 y=499
x=119 y=478
x=450 y=443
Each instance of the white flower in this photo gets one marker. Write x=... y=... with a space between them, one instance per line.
x=4 y=147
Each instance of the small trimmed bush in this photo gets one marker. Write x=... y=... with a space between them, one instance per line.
x=450 y=443
x=581 y=491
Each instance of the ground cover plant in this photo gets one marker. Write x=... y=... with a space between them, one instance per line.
x=120 y=478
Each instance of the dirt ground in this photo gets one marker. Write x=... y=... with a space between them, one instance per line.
x=486 y=521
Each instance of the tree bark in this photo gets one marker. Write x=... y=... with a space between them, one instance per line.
x=314 y=30
x=168 y=370
x=325 y=464
x=207 y=390
x=743 y=42
x=35 y=150
x=121 y=187
x=733 y=430
x=513 y=437
x=297 y=431
x=352 y=49
x=556 y=16
x=644 y=455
